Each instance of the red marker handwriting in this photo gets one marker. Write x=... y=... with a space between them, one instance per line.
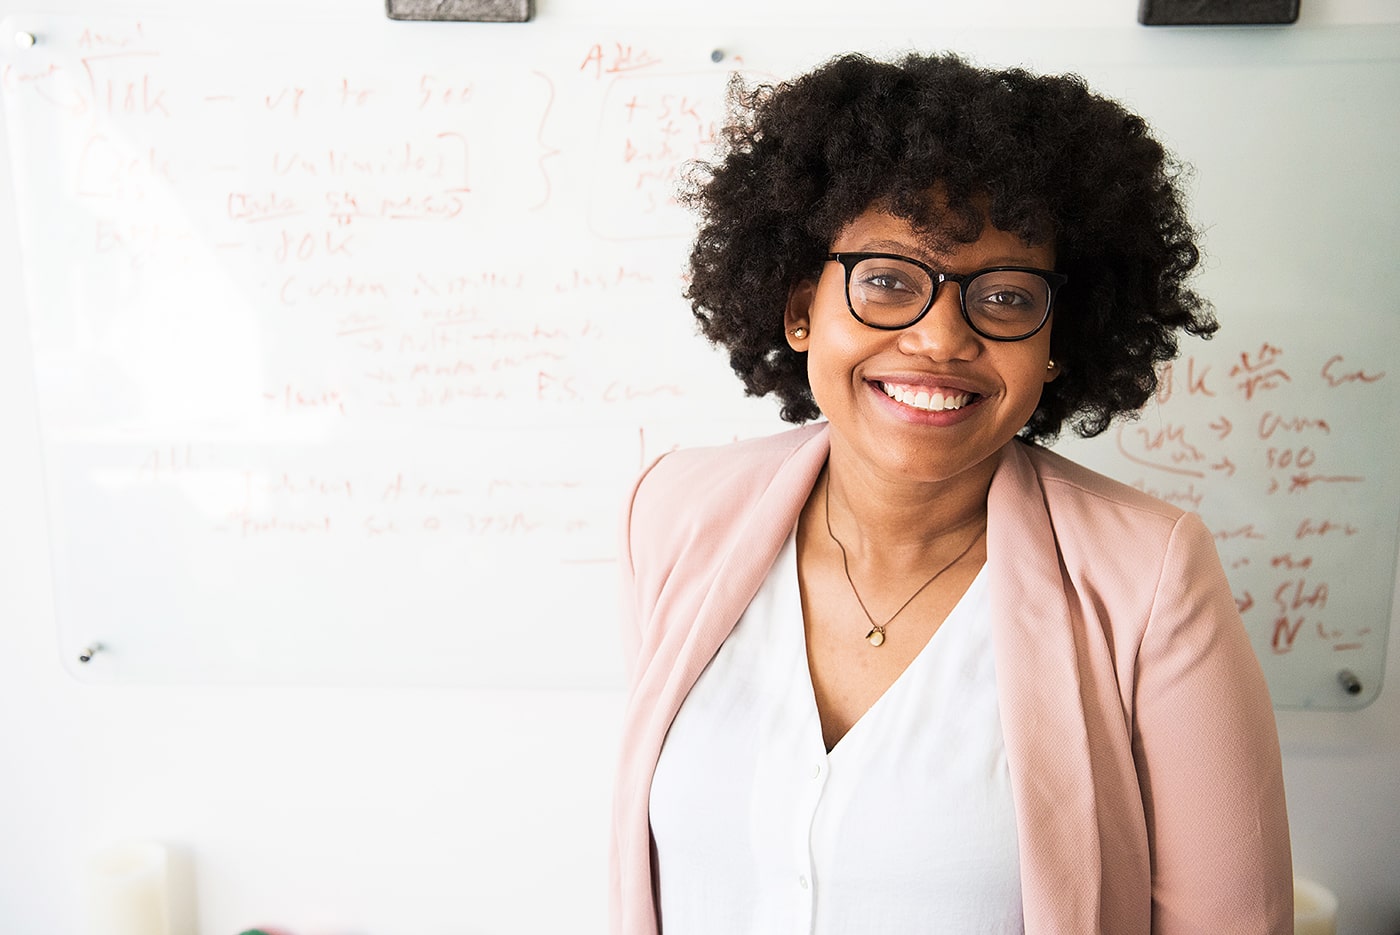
x=1271 y=422
x=1335 y=375
x=620 y=58
x=1326 y=527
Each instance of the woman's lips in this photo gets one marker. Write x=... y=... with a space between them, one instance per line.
x=926 y=398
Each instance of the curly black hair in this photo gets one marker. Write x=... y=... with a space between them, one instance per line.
x=1039 y=156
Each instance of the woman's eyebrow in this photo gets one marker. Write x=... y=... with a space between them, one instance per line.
x=906 y=248
x=934 y=259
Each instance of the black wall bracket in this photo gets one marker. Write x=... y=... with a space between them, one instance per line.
x=1217 y=12
x=462 y=11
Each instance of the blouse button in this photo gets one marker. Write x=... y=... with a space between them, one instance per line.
x=802 y=881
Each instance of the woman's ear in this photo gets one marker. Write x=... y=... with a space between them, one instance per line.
x=797 y=316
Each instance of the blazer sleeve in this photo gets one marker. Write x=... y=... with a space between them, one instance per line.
x=629 y=609
x=630 y=621
x=1207 y=754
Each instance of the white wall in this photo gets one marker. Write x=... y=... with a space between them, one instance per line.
x=446 y=812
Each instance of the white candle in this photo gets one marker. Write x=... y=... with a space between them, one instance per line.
x=1314 y=908
x=128 y=891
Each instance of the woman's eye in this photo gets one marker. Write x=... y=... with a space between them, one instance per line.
x=1008 y=294
x=890 y=282
x=1006 y=298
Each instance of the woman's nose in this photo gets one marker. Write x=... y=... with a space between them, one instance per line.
x=943 y=333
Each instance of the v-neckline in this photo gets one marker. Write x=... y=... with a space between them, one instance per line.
x=957 y=611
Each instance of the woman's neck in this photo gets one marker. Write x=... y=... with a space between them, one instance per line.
x=898 y=522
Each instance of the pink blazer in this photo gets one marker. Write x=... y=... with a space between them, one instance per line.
x=1140 y=739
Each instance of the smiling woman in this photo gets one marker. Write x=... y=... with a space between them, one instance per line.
x=868 y=381
x=905 y=670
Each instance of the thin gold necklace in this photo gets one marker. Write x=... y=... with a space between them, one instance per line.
x=876 y=636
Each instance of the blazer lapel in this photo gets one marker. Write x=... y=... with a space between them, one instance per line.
x=749 y=555
x=1042 y=709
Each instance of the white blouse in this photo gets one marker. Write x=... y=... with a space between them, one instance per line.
x=906 y=826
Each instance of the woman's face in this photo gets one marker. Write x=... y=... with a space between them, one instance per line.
x=933 y=401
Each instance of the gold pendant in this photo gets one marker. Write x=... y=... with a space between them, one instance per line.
x=876 y=636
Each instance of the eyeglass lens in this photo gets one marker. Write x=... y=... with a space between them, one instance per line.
x=891 y=293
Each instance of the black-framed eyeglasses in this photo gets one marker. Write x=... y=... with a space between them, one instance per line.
x=1002 y=303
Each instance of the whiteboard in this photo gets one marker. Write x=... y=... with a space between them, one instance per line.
x=345 y=357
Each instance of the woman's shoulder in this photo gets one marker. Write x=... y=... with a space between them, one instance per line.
x=693 y=506
x=1069 y=484
x=693 y=475
x=1115 y=541
x=696 y=496
x=1101 y=525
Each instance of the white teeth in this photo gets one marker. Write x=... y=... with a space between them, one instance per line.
x=923 y=399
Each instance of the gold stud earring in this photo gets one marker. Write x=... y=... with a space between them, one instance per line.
x=799 y=333
x=1050 y=365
